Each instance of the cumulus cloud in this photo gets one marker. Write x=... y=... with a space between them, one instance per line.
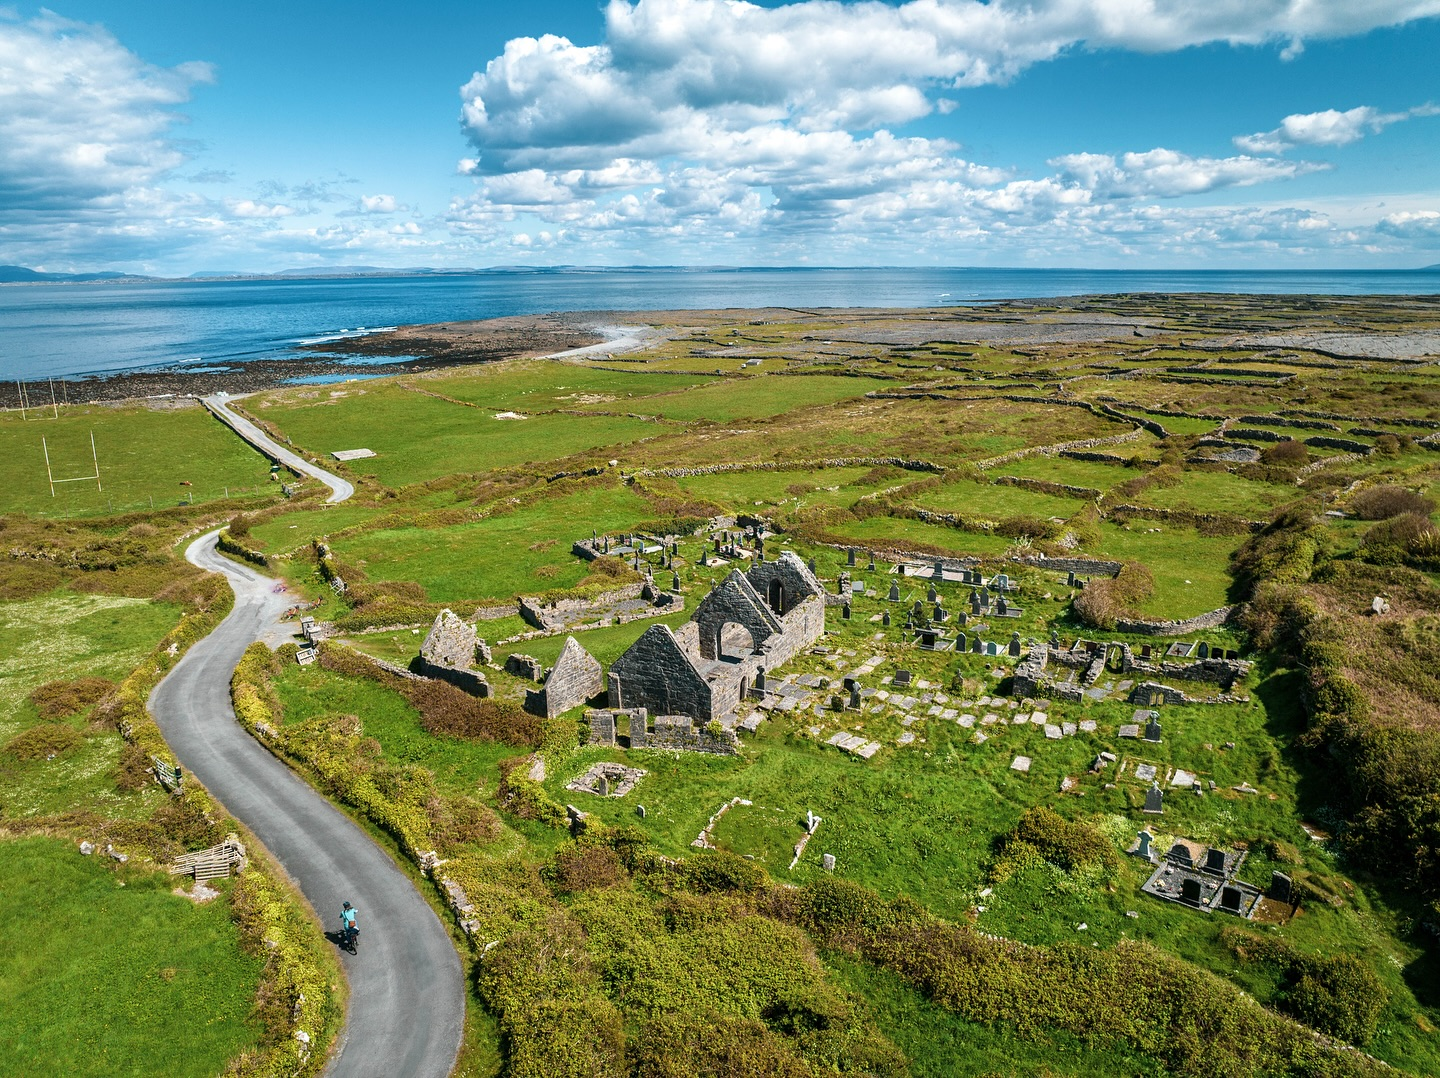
x=675 y=71
x=1330 y=127
x=82 y=117
x=1167 y=174
x=708 y=121
x=379 y=204
x=245 y=207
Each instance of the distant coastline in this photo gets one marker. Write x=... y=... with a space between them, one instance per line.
x=217 y=332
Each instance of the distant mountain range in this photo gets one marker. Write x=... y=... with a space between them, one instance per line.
x=25 y=275
x=20 y=274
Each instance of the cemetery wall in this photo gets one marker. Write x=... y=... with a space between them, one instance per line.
x=1211 y=619
x=678 y=733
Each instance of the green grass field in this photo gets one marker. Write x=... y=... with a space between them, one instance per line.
x=104 y=972
x=757 y=396
x=993 y=501
x=497 y=557
x=1191 y=570
x=60 y=636
x=418 y=437
x=136 y=449
x=543 y=385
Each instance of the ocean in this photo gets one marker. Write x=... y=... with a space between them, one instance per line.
x=73 y=330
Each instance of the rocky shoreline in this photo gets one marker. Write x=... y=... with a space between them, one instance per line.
x=410 y=349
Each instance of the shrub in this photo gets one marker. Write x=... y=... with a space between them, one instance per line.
x=133 y=770
x=1337 y=994
x=586 y=868
x=1287 y=452
x=59 y=699
x=460 y=820
x=1102 y=602
x=717 y=871
x=42 y=742
x=1385 y=501
x=1061 y=842
x=1391 y=541
x=714 y=1046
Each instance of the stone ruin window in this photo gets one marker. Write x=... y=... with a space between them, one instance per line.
x=777 y=596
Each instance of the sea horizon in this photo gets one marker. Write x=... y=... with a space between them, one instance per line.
x=66 y=331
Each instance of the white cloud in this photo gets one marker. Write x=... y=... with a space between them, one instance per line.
x=82 y=117
x=1167 y=174
x=244 y=207
x=1329 y=127
x=379 y=204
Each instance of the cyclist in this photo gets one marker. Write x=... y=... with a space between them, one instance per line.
x=348 y=928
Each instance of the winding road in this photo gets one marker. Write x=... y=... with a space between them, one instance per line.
x=407 y=1003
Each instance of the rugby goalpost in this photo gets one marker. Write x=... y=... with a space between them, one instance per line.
x=50 y=474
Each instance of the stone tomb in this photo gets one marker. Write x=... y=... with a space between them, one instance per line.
x=449 y=653
x=1204 y=879
x=607 y=780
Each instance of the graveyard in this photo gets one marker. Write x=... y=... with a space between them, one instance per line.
x=795 y=635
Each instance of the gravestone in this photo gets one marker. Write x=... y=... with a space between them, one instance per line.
x=1203 y=651
x=812 y=566
x=930 y=594
x=1145 y=838
x=602 y=786
x=1190 y=891
x=640 y=811
x=1230 y=899
x=960 y=642
x=977 y=647
x=760 y=680
x=902 y=678
x=1014 y=648
x=1152 y=730
x=1054 y=638
x=1154 y=801
x=1070 y=579
x=828 y=862
x=894 y=592
x=1001 y=606
x=675 y=583
x=984 y=596
x=939 y=614
x=1001 y=581
x=885 y=619
x=845 y=611
x=992 y=648
x=871 y=566
x=1280 y=889
x=1215 y=861
x=855 y=698
x=850 y=557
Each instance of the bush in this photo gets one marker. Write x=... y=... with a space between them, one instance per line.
x=1391 y=541
x=60 y=699
x=1287 y=452
x=1338 y=994
x=44 y=741
x=1385 y=501
x=586 y=868
x=1102 y=602
x=719 y=871
x=1061 y=842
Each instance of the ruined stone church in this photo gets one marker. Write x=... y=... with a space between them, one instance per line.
x=747 y=626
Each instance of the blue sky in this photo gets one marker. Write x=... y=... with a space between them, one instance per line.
x=171 y=137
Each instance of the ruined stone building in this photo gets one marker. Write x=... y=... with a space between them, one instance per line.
x=747 y=626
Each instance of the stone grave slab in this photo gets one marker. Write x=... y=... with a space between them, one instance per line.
x=1088 y=725
x=1145 y=772
x=1068 y=729
x=1130 y=730
x=1020 y=764
x=966 y=720
x=1182 y=779
x=1052 y=733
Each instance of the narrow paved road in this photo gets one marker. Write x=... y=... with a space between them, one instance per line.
x=340 y=489
x=406 y=987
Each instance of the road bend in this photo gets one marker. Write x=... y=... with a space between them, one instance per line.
x=406 y=986
x=340 y=489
